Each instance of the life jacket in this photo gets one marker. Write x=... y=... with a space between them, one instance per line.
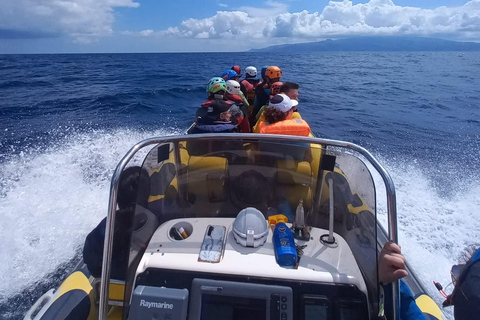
x=248 y=86
x=208 y=102
x=291 y=127
x=234 y=98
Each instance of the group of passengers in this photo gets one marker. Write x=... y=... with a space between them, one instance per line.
x=250 y=104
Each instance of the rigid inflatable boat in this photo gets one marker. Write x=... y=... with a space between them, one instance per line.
x=188 y=259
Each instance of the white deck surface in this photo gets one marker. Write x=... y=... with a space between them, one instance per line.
x=319 y=263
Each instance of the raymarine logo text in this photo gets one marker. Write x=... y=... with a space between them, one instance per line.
x=158 y=305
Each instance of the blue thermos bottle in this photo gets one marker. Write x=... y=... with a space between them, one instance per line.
x=284 y=246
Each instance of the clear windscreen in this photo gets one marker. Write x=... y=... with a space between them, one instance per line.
x=218 y=178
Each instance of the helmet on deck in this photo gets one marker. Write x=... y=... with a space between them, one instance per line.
x=250 y=72
x=216 y=84
x=273 y=72
x=275 y=88
x=233 y=87
x=229 y=74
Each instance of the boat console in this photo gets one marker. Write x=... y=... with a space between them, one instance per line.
x=326 y=284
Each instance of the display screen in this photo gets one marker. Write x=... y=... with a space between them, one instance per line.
x=351 y=313
x=232 y=308
x=315 y=312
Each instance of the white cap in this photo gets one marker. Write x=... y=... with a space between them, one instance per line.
x=281 y=102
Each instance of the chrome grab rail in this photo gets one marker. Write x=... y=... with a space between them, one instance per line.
x=108 y=244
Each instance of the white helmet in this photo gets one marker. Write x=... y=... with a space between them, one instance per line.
x=250 y=72
x=233 y=87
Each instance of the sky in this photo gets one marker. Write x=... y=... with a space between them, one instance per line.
x=69 y=26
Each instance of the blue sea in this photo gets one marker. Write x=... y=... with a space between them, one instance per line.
x=66 y=120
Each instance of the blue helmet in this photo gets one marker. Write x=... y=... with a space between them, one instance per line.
x=229 y=74
x=264 y=69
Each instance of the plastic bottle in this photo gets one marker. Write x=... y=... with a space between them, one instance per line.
x=284 y=246
x=300 y=216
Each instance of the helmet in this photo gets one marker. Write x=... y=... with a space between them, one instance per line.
x=264 y=69
x=275 y=88
x=233 y=87
x=216 y=84
x=237 y=69
x=229 y=74
x=273 y=72
x=250 y=72
x=250 y=228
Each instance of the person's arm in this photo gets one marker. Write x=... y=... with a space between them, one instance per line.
x=391 y=263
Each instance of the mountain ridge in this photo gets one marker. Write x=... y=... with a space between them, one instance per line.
x=376 y=43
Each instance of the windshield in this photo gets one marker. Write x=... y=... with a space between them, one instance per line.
x=205 y=178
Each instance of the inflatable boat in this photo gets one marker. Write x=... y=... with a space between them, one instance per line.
x=195 y=254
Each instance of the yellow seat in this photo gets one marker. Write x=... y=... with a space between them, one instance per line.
x=206 y=184
x=293 y=182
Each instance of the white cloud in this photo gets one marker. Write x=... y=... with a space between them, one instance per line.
x=272 y=8
x=82 y=19
x=224 y=5
x=338 y=18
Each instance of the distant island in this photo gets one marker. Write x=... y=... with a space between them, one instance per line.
x=376 y=43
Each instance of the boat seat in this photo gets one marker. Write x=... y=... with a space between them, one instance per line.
x=293 y=181
x=206 y=184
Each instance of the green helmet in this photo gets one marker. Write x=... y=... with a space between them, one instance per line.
x=216 y=84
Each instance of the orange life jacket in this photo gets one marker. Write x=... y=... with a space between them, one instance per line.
x=291 y=127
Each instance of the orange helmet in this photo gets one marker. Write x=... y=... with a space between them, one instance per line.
x=273 y=72
x=275 y=88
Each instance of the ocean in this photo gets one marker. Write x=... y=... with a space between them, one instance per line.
x=66 y=120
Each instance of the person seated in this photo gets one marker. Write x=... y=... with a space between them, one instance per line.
x=466 y=295
x=250 y=82
x=216 y=119
x=290 y=89
x=275 y=89
x=133 y=190
x=236 y=96
x=279 y=119
x=216 y=90
x=262 y=91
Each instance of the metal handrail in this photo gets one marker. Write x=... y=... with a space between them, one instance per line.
x=108 y=244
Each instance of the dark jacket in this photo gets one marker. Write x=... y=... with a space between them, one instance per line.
x=466 y=297
x=93 y=252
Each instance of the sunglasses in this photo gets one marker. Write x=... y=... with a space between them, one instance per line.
x=455 y=272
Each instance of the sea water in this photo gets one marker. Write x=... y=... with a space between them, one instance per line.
x=66 y=120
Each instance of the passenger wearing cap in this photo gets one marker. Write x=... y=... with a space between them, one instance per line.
x=291 y=90
x=276 y=112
